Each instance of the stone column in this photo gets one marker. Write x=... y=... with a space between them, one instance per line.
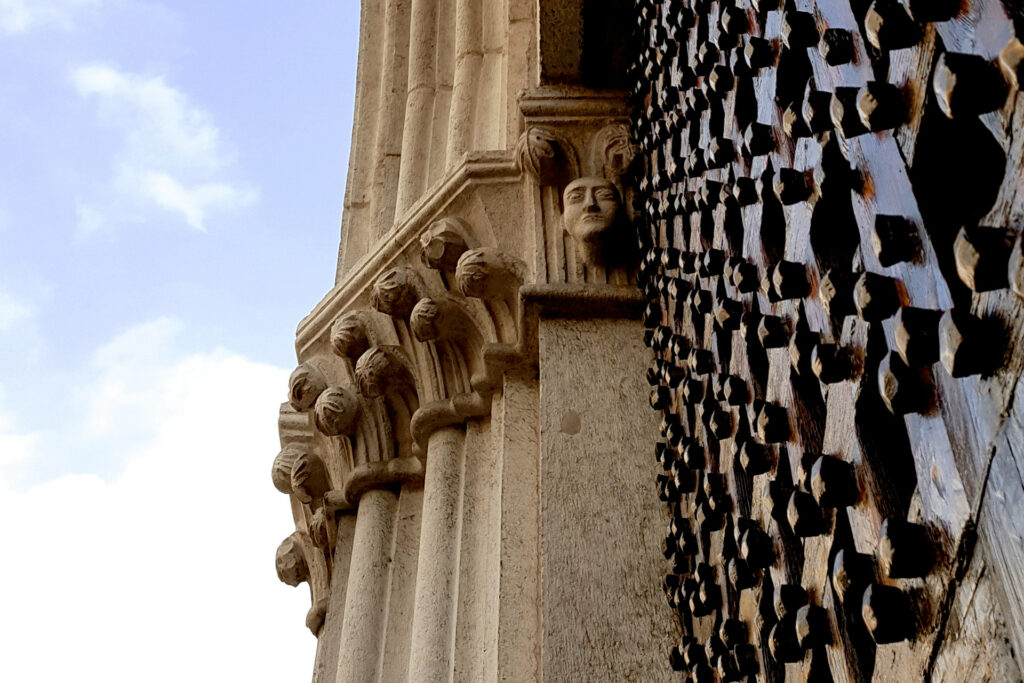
x=388 y=142
x=468 y=56
x=362 y=635
x=419 y=105
x=433 y=626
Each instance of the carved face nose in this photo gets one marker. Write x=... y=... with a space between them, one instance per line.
x=590 y=204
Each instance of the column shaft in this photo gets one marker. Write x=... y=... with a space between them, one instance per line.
x=432 y=656
x=468 y=55
x=388 y=142
x=362 y=635
x=419 y=105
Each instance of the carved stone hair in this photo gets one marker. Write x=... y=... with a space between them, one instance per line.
x=336 y=411
x=291 y=560
x=304 y=386
x=349 y=336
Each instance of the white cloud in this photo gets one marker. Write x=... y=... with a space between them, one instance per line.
x=13 y=311
x=165 y=571
x=19 y=16
x=193 y=203
x=172 y=155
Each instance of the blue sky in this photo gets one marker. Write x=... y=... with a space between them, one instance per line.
x=170 y=198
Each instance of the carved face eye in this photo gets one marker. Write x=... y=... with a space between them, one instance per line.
x=605 y=194
x=575 y=196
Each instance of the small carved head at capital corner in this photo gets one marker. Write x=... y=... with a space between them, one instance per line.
x=291 y=560
x=309 y=479
x=443 y=243
x=304 y=386
x=595 y=218
x=546 y=155
x=427 y=320
x=488 y=273
x=612 y=151
x=336 y=411
x=381 y=369
x=349 y=336
x=395 y=293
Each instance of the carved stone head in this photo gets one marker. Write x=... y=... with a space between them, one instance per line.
x=309 y=478
x=291 y=561
x=304 y=386
x=443 y=243
x=348 y=335
x=487 y=273
x=395 y=293
x=547 y=155
x=336 y=411
x=594 y=217
x=381 y=369
x=427 y=320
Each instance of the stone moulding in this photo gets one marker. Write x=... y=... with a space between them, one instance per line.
x=559 y=103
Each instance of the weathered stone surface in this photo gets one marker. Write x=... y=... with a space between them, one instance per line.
x=603 y=610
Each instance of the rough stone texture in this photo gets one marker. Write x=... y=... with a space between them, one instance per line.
x=517 y=411
x=603 y=611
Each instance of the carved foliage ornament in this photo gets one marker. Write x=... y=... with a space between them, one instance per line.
x=304 y=385
x=547 y=156
x=336 y=411
x=612 y=151
x=309 y=480
x=281 y=472
x=293 y=567
x=291 y=561
x=349 y=336
x=300 y=472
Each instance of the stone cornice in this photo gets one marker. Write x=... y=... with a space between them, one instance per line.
x=567 y=102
